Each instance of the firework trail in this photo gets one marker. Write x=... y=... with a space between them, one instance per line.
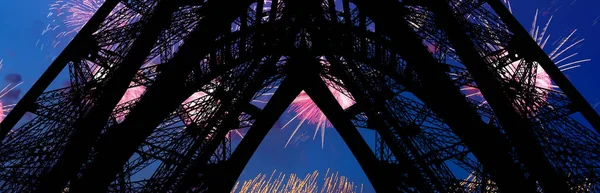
x=79 y=12
x=307 y=111
x=543 y=82
x=332 y=183
x=68 y=17
x=4 y=106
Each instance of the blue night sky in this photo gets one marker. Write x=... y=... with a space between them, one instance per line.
x=23 y=21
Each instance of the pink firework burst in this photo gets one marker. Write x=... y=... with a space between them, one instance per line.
x=69 y=16
x=195 y=99
x=307 y=111
x=190 y=103
x=80 y=11
x=131 y=94
x=74 y=14
x=543 y=82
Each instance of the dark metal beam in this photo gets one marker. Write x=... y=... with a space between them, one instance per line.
x=384 y=130
x=351 y=77
x=517 y=127
x=486 y=142
x=206 y=148
x=127 y=136
x=88 y=127
x=528 y=48
x=317 y=90
x=79 y=44
x=252 y=110
x=288 y=90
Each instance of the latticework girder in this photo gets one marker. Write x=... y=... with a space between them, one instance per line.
x=198 y=65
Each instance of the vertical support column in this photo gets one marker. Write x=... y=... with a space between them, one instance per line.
x=530 y=49
x=72 y=51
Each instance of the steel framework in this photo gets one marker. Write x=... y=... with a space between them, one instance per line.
x=202 y=63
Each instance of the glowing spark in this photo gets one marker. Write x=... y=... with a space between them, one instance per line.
x=543 y=82
x=81 y=12
x=76 y=13
x=595 y=21
x=68 y=17
x=307 y=111
x=4 y=107
x=332 y=183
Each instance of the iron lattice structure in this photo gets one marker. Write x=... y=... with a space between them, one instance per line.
x=82 y=139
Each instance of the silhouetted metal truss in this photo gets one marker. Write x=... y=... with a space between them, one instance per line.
x=226 y=53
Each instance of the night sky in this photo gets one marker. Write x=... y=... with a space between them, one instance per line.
x=23 y=21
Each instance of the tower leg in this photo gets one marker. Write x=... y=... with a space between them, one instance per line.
x=531 y=50
x=486 y=142
x=517 y=127
x=78 y=43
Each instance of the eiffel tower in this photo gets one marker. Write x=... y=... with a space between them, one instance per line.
x=83 y=139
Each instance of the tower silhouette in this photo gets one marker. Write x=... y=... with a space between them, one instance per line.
x=82 y=138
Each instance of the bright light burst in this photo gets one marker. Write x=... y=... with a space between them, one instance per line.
x=72 y=15
x=69 y=16
x=195 y=111
x=78 y=13
x=543 y=82
x=332 y=183
x=131 y=94
x=4 y=106
x=136 y=92
x=307 y=111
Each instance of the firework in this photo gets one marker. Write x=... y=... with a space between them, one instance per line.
x=4 y=106
x=67 y=17
x=79 y=12
x=543 y=82
x=193 y=101
x=307 y=111
x=332 y=183
x=131 y=94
